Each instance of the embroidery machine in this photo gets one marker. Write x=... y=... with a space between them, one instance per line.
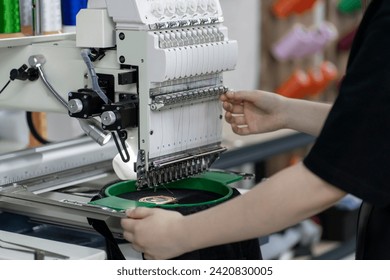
x=146 y=73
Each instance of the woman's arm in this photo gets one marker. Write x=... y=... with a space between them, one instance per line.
x=285 y=199
x=251 y=112
x=306 y=116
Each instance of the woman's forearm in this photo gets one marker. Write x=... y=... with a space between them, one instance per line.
x=285 y=199
x=305 y=116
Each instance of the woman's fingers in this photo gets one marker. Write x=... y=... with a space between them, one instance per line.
x=233 y=108
x=235 y=119
x=241 y=130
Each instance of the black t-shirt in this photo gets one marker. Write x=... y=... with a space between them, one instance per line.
x=352 y=151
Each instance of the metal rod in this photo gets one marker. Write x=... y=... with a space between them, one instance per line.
x=39 y=254
x=36 y=15
x=220 y=150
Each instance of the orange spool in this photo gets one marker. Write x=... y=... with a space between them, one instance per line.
x=329 y=70
x=317 y=81
x=295 y=86
x=321 y=77
x=303 y=6
x=284 y=8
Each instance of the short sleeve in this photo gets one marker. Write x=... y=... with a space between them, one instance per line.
x=352 y=151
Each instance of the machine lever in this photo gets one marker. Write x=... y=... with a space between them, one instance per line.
x=121 y=144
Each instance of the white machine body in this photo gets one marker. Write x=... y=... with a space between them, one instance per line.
x=178 y=49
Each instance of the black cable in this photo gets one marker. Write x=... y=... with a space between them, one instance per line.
x=124 y=153
x=6 y=85
x=33 y=131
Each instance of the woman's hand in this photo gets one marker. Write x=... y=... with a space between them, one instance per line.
x=251 y=112
x=156 y=233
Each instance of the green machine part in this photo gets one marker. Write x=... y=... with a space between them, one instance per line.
x=210 y=181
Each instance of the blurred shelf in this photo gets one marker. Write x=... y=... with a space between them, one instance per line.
x=28 y=40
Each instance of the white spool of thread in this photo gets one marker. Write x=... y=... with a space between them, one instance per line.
x=26 y=16
x=25 y=12
x=51 y=19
